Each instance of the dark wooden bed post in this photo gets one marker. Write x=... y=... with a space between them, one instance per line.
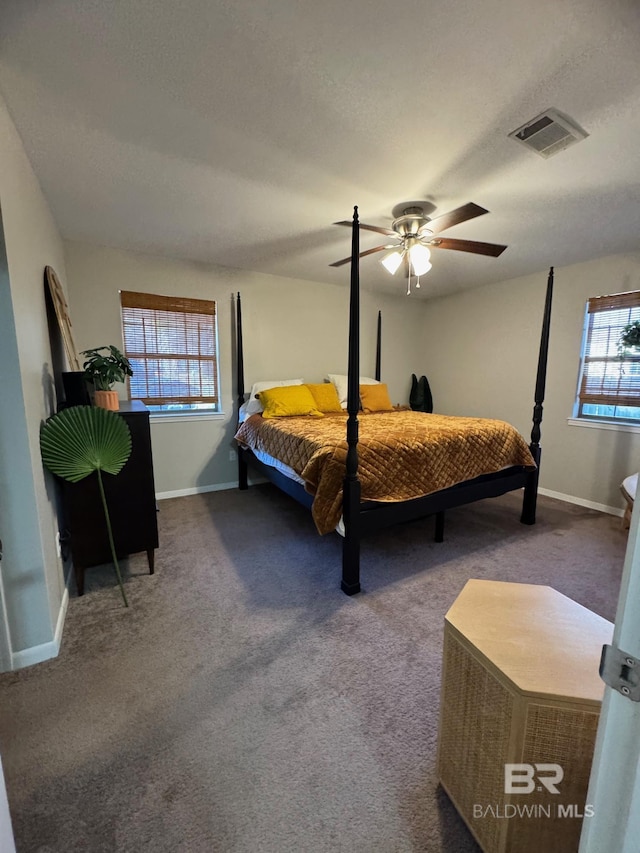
x=351 y=489
x=242 y=465
x=531 y=489
x=379 y=347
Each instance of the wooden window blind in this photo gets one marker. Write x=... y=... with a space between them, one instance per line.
x=608 y=379
x=172 y=345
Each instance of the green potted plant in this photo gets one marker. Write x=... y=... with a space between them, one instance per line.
x=103 y=367
x=83 y=440
x=629 y=338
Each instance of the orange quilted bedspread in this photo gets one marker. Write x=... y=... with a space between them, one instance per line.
x=401 y=454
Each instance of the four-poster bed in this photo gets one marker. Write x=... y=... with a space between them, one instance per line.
x=362 y=516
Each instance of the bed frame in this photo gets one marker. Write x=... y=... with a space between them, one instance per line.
x=362 y=517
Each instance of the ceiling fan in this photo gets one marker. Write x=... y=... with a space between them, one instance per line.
x=416 y=233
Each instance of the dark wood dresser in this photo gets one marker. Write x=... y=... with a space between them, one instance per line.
x=130 y=498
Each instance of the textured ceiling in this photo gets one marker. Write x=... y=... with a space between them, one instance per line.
x=237 y=132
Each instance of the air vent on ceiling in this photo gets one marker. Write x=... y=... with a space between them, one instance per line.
x=549 y=133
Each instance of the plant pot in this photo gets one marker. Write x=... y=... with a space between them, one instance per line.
x=107 y=400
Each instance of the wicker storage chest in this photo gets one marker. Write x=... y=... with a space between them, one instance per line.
x=520 y=686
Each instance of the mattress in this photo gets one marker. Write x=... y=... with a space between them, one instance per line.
x=272 y=462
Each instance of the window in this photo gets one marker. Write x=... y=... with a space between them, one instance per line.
x=609 y=386
x=172 y=344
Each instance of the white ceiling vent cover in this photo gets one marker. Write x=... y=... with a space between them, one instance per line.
x=549 y=133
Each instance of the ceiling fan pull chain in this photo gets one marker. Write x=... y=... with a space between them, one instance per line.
x=417 y=282
x=409 y=282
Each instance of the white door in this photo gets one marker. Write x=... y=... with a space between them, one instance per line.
x=614 y=787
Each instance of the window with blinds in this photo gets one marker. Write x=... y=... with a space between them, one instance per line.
x=172 y=344
x=609 y=384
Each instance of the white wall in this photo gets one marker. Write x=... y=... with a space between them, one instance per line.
x=291 y=328
x=33 y=590
x=481 y=351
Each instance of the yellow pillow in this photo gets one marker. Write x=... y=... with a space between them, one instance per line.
x=375 y=398
x=287 y=401
x=325 y=396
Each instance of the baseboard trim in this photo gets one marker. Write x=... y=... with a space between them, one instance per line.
x=571 y=499
x=201 y=490
x=45 y=651
x=62 y=615
x=195 y=490
x=549 y=493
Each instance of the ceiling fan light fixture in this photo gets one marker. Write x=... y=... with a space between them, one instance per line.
x=415 y=231
x=421 y=270
x=419 y=256
x=392 y=261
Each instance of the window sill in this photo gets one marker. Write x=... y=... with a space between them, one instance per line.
x=181 y=417
x=616 y=426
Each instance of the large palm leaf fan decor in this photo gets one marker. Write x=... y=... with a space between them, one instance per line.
x=83 y=440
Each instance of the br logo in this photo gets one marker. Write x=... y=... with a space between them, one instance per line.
x=525 y=778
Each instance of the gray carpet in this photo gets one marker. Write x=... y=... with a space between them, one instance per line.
x=243 y=703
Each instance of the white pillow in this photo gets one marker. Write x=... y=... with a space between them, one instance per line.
x=253 y=406
x=342 y=382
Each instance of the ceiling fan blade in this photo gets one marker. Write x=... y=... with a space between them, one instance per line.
x=375 y=228
x=455 y=217
x=361 y=255
x=491 y=249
